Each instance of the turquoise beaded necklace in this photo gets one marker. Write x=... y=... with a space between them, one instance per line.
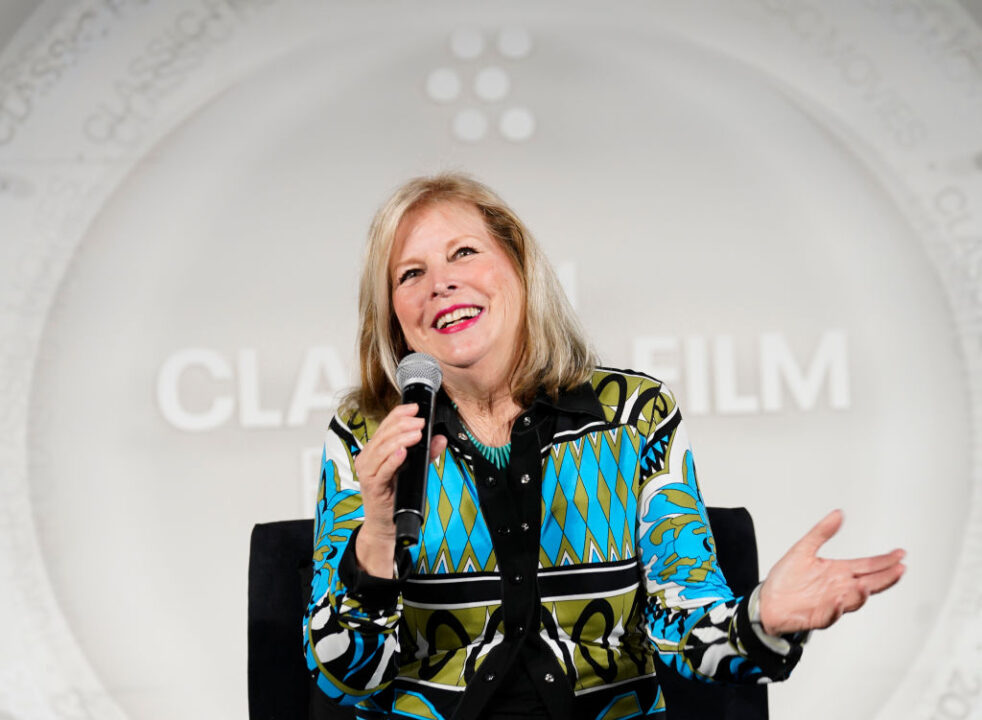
x=497 y=456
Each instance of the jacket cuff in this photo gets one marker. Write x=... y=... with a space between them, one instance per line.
x=373 y=594
x=776 y=664
x=781 y=644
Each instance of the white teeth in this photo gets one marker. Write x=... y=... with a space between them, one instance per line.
x=457 y=315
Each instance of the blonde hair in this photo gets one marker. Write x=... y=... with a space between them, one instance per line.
x=554 y=354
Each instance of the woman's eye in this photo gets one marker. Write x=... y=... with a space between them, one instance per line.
x=408 y=275
x=462 y=251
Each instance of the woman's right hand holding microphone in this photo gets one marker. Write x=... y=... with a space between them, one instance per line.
x=376 y=467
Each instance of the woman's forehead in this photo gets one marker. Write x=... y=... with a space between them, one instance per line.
x=437 y=220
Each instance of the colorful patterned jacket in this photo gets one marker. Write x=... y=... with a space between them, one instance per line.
x=586 y=555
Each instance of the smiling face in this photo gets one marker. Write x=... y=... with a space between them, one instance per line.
x=456 y=294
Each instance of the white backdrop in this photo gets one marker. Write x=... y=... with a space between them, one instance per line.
x=775 y=205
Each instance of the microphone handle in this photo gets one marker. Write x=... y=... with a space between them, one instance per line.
x=411 y=477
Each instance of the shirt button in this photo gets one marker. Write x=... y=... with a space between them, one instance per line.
x=489 y=677
x=462 y=437
x=491 y=482
x=520 y=630
x=526 y=421
x=517 y=578
x=548 y=677
x=525 y=480
x=525 y=527
x=504 y=530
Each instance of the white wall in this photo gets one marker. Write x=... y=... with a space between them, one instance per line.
x=776 y=205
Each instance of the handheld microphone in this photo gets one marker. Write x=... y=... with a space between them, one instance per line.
x=418 y=377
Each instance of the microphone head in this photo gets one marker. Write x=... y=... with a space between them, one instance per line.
x=419 y=368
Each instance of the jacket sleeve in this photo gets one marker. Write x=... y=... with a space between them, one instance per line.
x=350 y=638
x=691 y=615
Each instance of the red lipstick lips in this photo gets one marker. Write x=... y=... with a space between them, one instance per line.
x=456 y=318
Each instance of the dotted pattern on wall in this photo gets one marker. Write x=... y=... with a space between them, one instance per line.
x=479 y=84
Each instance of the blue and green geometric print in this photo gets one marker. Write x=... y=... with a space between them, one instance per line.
x=588 y=499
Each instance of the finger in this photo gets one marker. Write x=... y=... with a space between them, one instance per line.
x=374 y=458
x=395 y=432
x=396 y=416
x=396 y=420
x=883 y=580
x=438 y=443
x=399 y=420
x=401 y=441
x=876 y=563
x=387 y=470
x=821 y=533
x=410 y=408
x=855 y=599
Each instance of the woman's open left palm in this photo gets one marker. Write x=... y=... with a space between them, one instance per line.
x=806 y=592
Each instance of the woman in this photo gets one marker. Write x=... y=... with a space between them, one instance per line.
x=565 y=539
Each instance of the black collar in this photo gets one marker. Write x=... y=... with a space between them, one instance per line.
x=578 y=400
x=581 y=399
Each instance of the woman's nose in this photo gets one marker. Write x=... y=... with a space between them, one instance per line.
x=443 y=287
x=443 y=282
